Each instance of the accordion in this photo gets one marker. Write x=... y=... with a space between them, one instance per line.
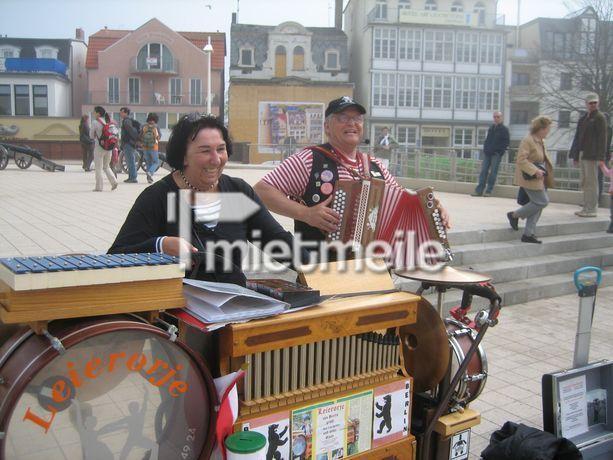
x=371 y=211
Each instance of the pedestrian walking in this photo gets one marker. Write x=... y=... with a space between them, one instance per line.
x=129 y=139
x=150 y=138
x=609 y=173
x=496 y=143
x=588 y=148
x=102 y=157
x=534 y=173
x=87 y=143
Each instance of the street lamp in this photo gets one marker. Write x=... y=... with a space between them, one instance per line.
x=208 y=50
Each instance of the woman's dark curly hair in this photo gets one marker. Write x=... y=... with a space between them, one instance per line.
x=186 y=130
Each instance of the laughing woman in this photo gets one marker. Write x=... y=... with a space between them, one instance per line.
x=198 y=149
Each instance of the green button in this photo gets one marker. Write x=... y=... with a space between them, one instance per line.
x=245 y=442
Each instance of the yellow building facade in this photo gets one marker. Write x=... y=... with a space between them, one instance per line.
x=250 y=104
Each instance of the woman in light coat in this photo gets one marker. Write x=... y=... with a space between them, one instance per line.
x=102 y=158
x=534 y=173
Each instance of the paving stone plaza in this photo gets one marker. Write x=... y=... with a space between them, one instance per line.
x=53 y=213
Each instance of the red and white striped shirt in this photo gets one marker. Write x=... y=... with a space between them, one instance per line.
x=292 y=175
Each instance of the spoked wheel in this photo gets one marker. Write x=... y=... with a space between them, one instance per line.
x=122 y=165
x=23 y=161
x=4 y=158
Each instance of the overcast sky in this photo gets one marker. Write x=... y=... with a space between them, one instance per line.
x=59 y=18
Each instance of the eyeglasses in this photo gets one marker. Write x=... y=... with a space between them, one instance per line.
x=344 y=118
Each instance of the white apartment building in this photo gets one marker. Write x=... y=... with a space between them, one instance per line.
x=432 y=71
x=42 y=77
x=547 y=75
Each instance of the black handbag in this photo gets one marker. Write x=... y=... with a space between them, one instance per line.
x=540 y=166
x=522 y=197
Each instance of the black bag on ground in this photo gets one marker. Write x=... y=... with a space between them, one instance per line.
x=520 y=442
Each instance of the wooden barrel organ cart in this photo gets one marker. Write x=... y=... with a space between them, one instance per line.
x=92 y=361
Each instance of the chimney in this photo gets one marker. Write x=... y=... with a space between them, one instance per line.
x=338 y=14
x=233 y=18
x=79 y=34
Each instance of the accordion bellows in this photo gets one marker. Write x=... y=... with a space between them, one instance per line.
x=373 y=211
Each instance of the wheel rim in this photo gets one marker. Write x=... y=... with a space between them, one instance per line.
x=23 y=161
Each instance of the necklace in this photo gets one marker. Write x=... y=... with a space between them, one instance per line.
x=193 y=187
x=355 y=172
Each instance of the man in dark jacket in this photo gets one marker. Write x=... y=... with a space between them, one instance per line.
x=496 y=143
x=129 y=139
x=589 y=146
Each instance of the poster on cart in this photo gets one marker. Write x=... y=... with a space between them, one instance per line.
x=333 y=429
x=391 y=409
x=275 y=427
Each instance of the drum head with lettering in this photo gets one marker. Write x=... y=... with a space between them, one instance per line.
x=126 y=394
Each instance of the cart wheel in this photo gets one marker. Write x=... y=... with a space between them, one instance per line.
x=23 y=161
x=142 y=164
x=122 y=166
x=4 y=158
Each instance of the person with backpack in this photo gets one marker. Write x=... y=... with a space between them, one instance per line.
x=105 y=132
x=129 y=139
x=150 y=138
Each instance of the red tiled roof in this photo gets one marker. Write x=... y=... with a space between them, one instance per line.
x=104 y=38
x=218 y=42
x=99 y=41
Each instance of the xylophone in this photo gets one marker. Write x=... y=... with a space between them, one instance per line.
x=51 y=287
x=47 y=272
x=372 y=211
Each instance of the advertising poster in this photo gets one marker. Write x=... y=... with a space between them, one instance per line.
x=391 y=410
x=287 y=124
x=275 y=427
x=333 y=429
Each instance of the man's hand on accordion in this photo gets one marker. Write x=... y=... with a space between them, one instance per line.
x=321 y=216
x=444 y=214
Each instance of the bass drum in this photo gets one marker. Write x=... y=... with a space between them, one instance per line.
x=461 y=338
x=109 y=387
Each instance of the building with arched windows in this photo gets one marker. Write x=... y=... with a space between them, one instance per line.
x=432 y=71
x=154 y=69
x=281 y=78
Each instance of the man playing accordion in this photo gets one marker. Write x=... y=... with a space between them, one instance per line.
x=302 y=186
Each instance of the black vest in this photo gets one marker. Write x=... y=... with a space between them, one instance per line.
x=313 y=194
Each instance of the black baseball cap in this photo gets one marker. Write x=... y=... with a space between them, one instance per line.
x=340 y=104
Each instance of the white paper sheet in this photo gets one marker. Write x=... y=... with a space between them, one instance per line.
x=224 y=302
x=573 y=406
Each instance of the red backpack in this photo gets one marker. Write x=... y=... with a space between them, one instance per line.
x=110 y=135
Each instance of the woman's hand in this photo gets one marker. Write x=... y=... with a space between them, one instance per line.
x=172 y=246
x=539 y=173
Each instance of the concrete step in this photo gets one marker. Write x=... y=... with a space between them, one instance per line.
x=505 y=271
x=472 y=254
x=545 y=265
x=504 y=233
x=521 y=291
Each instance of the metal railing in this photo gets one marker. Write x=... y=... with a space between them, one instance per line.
x=464 y=165
x=164 y=98
x=451 y=164
x=166 y=66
